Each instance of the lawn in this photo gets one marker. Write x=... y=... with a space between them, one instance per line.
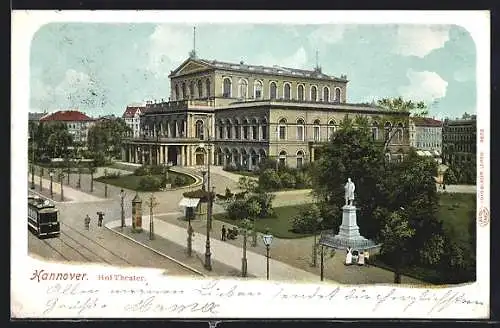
x=131 y=181
x=279 y=226
x=456 y=212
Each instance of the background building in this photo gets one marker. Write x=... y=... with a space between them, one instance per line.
x=250 y=113
x=132 y=118
x=76 y=122
x=426 y=136
x=459 y=141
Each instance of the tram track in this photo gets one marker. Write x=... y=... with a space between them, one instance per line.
x=94 y=242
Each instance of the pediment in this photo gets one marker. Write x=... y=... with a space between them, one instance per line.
x=190 y=67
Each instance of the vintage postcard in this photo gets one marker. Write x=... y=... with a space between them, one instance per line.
x=233 y=164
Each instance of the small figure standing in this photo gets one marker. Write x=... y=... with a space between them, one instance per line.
x=100 y=218
x=223 y=233
x=349 y=192
x=87 y=222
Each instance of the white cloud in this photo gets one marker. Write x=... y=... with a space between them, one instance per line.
x=296 y=60
x=168 y=47
x=416 y=40
x=424 y=86
x=326 y=34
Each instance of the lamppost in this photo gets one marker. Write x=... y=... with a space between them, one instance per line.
x=190 y=212
x=122 y=198
x=315 y=246
x=267 y=239
x=41 y=176
x=244 y=264
x=32 y=160
x=152 y=203
x=51 y=174
x=105 y=183
x=208 y=264
x=68 y=171
x=277 y=147
x=61 y=177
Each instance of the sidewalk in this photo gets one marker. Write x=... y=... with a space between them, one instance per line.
x=226 y=253
x=74 y=196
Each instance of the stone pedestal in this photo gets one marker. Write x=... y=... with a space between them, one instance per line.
x=349 y=228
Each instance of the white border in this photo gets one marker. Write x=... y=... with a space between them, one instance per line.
x=26 y=23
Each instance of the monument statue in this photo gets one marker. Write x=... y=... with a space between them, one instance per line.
x=349 y=192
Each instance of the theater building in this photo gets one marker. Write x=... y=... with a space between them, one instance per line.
x=246 y=113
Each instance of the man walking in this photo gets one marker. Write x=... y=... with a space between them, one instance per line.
x=87 y=222
x=100 y=218
x=223 y=233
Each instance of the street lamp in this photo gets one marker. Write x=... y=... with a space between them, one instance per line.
x=32 y=160
x=315 y=246
x=122 y=198
x=61 y=177
x=152 y=203
x=277 y=147
x=208 y=264
x=267 y=239
x=51 y=174
x=244 y=263
x=190 y=213
x=105 y=183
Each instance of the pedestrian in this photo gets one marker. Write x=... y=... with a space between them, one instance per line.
x=223 y=232
x=444 y=186
x=87 y=222
x=100 y=218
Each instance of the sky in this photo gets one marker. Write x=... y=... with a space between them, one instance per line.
x=100 y=68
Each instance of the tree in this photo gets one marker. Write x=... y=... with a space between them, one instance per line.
x=58 y=139
x=351 y=153
x=416 y=109
x=396 y=233
x=307 y=219
x=106 y=137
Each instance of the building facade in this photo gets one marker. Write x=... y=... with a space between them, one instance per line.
x=459 y=141
x=132 y=117
x=77 y=123
x=242 y=114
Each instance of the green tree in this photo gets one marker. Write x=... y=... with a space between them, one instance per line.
x=401 y=105
x=58 y=139
x=351 y=153
x=396 y=233
x=449 y=177
x=306 y=220
x=106 y=137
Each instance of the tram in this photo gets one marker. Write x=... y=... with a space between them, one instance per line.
x=43 y=217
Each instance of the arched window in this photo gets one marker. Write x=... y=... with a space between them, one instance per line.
x=337 y=95
x=199 y=129
x=399 y=133
x=258 y=90
x=387 y=129
x=242 y=88
x=300 y=159
x=237 y=129
x=246 y=134
x=331 y=128
x=282 y=158
x=221 y=129
x=287 y=91
x=177 y=96
x=200 y=89
x=229 y=135
x=207 y=86
x=300 y=129
x=300 y=92
x=282 y=129
x=326 y=94
x=255 y=129
x=191 y=90
x=264 y=128
x=272 y=90
x=226 y=92
x=374 y=131
x=316 y=130
x=314 y=93
x=184 y=91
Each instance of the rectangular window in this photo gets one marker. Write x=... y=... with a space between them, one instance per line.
x=255 y=132
x=300 y=132
x=316 y=133
x=299 y=162
x=258 y=94
x=237 y=132
x=282 y=132
x=264 y=132
x=245 y=132
x=228 y=131
x=221 y=130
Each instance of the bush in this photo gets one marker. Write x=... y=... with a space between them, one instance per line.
x=237 y=210
x=113 y=175
x=179 y=181
x=287 y=180
x=142 y=170
x=150 y=183
x=269 y=180
x=265 y=202
x=307 y=220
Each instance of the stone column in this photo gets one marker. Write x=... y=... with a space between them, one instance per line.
x=161 y=161
x=176 y=128
x=184 y=156
x=185 y=128
x=143 y=156
x=169 y=133
x=241 y=132
x=312 y=154
x=150 y=155
x=166 y=154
